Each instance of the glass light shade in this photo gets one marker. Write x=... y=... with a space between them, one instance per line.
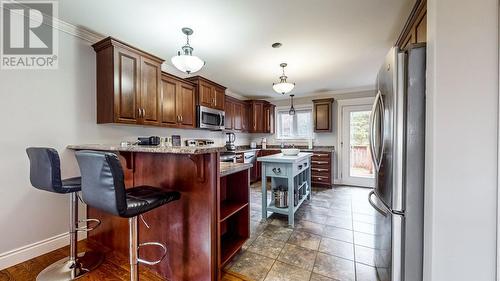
x=187 y=63
x=283 y=87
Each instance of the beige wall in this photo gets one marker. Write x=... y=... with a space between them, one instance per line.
x=462 y=137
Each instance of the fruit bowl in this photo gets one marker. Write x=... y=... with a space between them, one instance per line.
x=290 y=151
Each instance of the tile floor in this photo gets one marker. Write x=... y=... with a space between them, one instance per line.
x=332 y=240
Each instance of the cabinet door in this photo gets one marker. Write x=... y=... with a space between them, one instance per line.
x=258 y=118
x=168 y=109
x=238 y=116
x=219 y=98
x=186 y=107
x=150 y=91
x=127 y=86
x=206 y=94
x=267 y=124
x=229 y=115
x=322 y=117
x=244 y=117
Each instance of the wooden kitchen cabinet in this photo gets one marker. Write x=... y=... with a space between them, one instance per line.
x=128 y=84
x=209 y=93
x=177 y=102
x=229 y=114
x=415 y=29
x=321 y=169
x=322 y=115
x=234 y=114
x=269 y=110
x=244 y=117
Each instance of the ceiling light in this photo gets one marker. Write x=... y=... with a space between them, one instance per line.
x=185 y=61
x=282 y=86
x=292 y=110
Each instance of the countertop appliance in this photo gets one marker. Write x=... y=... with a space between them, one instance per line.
x=209 y=118
x=231 y=137
x=199 y=142
x=397 y=137
x=154 y=140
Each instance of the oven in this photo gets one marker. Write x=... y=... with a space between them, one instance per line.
x=209 y=118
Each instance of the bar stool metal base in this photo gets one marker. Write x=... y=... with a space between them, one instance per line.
x=64 y=269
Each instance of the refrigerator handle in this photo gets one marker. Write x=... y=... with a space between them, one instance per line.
x=374 y=135
x=382 y=212
x=382 y=122
x=372 y=132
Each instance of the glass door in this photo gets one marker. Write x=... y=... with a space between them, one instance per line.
x=357 y=164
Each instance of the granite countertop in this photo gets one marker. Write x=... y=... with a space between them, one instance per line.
x=280 y=158
x=227 y=168
x=148 y=149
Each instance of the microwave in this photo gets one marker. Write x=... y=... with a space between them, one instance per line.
x=209 y=118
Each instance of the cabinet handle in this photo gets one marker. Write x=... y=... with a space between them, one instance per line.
x=277 y=170
x=321 y=155
x=181 y=118
x=139 y=112
x=143 y=113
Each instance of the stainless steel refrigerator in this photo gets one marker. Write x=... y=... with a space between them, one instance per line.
x=397 y=143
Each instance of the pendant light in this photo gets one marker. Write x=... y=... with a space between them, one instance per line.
x=292 y=110
x=185 y=61
x=282 y=86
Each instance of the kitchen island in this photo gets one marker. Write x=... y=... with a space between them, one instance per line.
x=203 y=230
x=290 y=181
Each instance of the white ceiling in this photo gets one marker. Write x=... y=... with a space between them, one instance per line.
x=329 y=45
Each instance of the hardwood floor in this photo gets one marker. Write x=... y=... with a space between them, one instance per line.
x=114 y=267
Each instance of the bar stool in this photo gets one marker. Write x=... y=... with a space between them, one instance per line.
x=103 y=188
x=45 y=174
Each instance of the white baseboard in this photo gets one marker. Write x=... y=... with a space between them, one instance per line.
x=36 y=249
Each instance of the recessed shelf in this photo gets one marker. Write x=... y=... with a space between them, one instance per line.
x=231 y=244
x=229 y=208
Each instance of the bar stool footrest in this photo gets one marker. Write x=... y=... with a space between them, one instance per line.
x=87 y=228
x=156 y=261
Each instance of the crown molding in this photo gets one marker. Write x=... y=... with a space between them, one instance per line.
x=77 y=31
x=66 y=27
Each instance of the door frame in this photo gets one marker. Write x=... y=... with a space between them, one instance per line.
x=342 y=104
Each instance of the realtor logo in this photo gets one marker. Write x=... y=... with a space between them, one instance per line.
x=29 y=40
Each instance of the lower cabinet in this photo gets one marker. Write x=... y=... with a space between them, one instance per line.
x=321 y=169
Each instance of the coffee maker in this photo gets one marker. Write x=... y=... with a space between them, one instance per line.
x=230 y=142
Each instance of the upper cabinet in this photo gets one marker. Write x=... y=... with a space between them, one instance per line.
x=236 y=114
x=210 y=94
x=128 y=84
x=322 y=115
x=415 y=29
x=177 y=102
x=261 y=117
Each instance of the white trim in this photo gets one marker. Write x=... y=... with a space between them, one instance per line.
x=340 y=105
x=27 y=252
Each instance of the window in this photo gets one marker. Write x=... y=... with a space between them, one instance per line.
x=298 y=126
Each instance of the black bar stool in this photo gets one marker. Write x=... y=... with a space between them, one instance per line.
x=45 y=174
x=103 y=188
